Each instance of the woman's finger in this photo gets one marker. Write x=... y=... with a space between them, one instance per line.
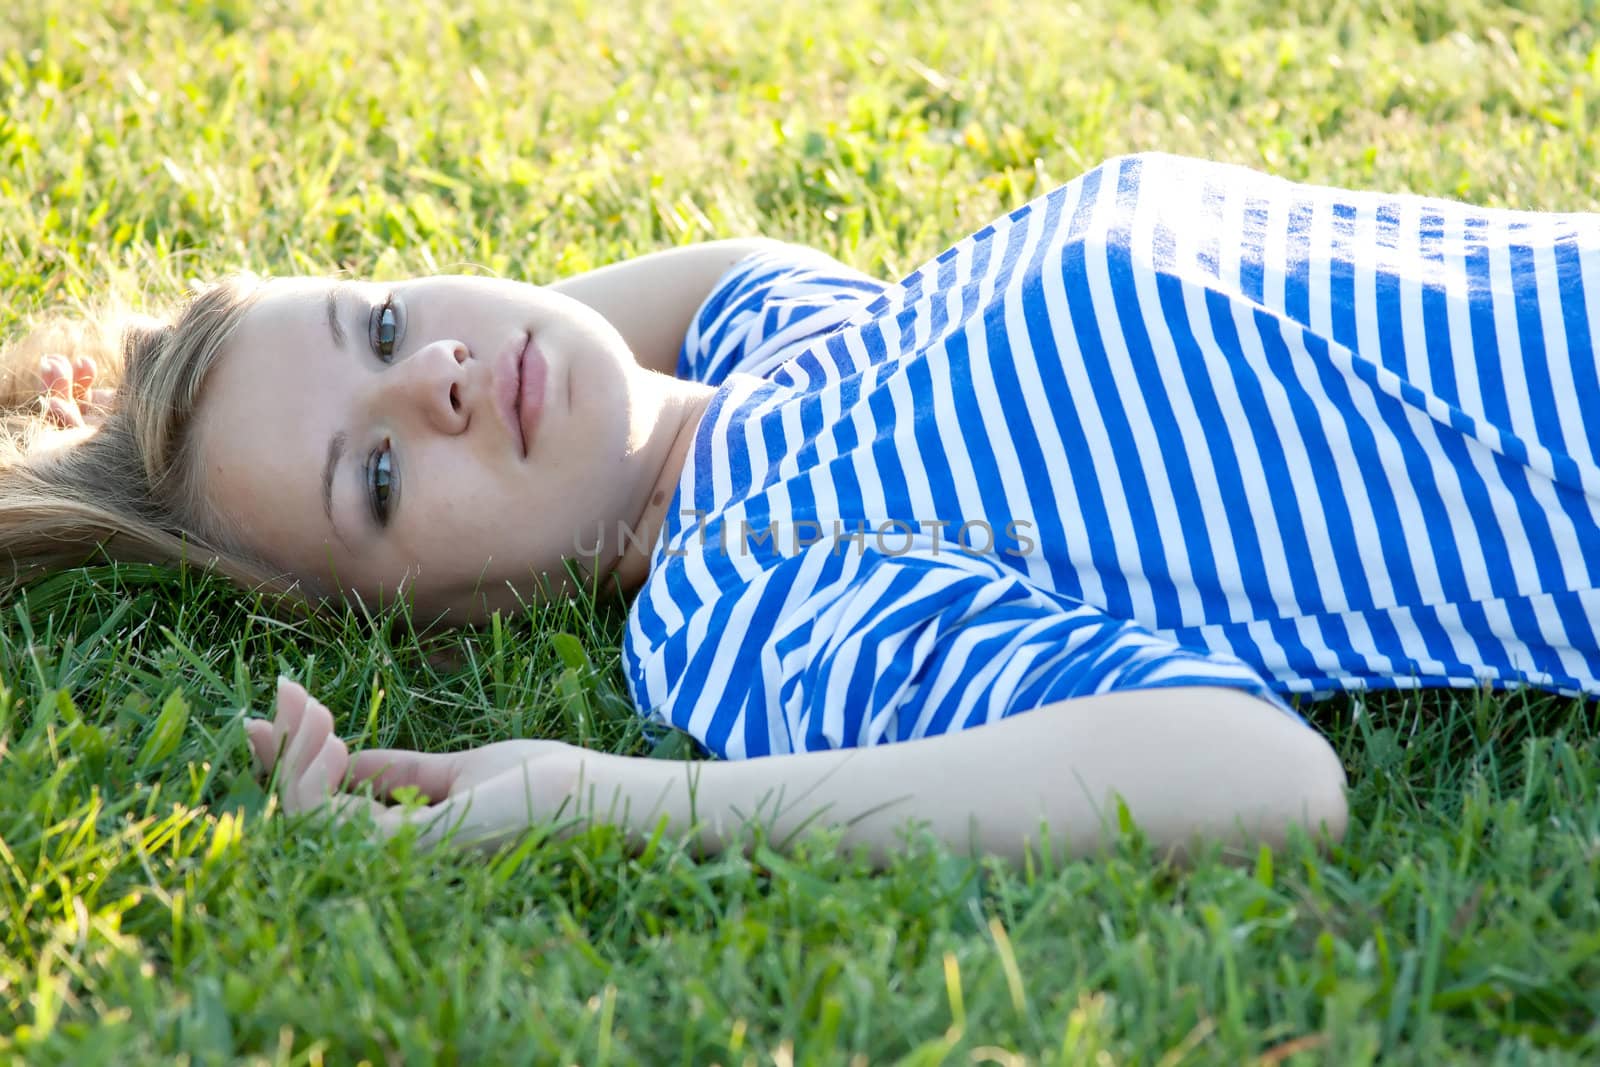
x=316 y=726
x=319 y=782
x=83 y=374
x=61 y=412
x=262 y=750
x=347 y=806
x=288 y=710
x=485 y=815
x=59 y=398
x=438 y=775
x=387 y=769
x=55 y=374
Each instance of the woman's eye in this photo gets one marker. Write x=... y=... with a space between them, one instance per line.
x=383 y=484
x=385 y=329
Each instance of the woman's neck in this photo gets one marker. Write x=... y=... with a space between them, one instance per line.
x=682 y=407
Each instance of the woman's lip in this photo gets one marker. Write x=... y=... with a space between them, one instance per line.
x=508 y=389
x=530 y=394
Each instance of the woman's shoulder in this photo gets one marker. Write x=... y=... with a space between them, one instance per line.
x=768 y=305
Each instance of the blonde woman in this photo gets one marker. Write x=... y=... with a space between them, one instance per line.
x=1065 y=516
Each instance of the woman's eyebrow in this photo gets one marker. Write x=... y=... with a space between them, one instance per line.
x=336 y=294
x=335 y=450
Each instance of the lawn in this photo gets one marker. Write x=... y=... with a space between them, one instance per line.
x=154 y=903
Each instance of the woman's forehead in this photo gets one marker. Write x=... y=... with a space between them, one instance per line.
x=265 y=406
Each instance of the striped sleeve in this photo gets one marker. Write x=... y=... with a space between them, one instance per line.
x=891 y=648
x=765 y=307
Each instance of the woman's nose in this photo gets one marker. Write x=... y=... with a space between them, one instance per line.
x=432 y=381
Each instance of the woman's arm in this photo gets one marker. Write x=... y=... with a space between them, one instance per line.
x=651 y=299
x=1213 y=763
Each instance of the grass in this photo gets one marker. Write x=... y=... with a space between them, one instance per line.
x=155 y=906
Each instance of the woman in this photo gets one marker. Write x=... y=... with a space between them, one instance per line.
x=1061 y=517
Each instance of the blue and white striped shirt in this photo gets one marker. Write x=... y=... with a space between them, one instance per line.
x=1175 y=423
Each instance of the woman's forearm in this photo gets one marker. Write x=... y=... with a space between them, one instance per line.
x=650 y=299
x=1210 y=762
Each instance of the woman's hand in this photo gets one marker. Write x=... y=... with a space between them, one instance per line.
x=481 y=796
x=68 y=397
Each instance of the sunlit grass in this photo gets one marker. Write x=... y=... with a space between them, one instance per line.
x=154 y=904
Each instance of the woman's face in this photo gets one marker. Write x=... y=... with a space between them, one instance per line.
x=454 y=434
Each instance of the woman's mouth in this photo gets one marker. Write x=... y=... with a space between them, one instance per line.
x=510 y=373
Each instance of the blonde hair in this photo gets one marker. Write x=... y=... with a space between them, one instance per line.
x=129 y=490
